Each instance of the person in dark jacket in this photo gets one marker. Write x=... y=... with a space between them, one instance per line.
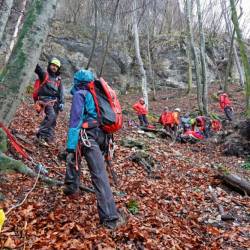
x=84 y=128
x=50 y=97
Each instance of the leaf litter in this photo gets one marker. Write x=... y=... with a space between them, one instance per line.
x=172 y=211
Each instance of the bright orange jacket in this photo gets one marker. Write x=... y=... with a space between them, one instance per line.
x=224 y=101
x=167 y=118
x=176 y=117
x=140 y=108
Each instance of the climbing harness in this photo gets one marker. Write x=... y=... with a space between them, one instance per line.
x=84 y=140
x=41 y=105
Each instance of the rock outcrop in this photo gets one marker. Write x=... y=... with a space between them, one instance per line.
x=73 y=44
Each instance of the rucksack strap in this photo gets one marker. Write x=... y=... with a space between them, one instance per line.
x=91 y=88
x=46 y=78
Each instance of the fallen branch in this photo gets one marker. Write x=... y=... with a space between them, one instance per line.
x=22 y=138
x=224 y=216
x=9 y=164
x=236 y=181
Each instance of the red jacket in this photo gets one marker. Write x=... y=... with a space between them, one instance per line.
x=140 y=108
x=167 y=118
x=224 y=101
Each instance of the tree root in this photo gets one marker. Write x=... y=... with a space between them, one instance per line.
x=8 y=164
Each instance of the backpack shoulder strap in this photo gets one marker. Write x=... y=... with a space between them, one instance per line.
x=46 y=78
x=91 y=89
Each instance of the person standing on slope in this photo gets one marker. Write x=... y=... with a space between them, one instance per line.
x=83 y=114
x=142 y=111
x=49 y=97
x=225 y=104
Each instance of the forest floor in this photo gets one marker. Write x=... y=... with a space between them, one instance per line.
x=172 y=207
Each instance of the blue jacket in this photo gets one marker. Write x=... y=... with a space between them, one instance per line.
x=82 y=110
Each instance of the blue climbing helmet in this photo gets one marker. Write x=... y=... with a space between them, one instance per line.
x=83 y=76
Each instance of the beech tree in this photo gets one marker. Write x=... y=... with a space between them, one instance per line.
x=243 y=55
x=232 y=50
x=188 y=50
x=109 y=36
x=203 y=60
x=138 y=54
x=195 y=55
x=5 y=8
x=18 y=71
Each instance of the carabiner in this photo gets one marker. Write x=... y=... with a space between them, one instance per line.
x=85 y=140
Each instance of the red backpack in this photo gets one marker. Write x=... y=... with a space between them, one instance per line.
x=107 y=105
x=37 y=85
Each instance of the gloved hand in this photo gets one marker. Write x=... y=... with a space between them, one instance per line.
x=70 y=159
x=61 y=106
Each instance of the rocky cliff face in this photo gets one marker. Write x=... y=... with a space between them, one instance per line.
x=73 y=45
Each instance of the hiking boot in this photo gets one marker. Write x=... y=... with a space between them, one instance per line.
x=114 y=224
x=70 y=190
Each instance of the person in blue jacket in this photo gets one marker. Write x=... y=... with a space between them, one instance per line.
x=83 y=111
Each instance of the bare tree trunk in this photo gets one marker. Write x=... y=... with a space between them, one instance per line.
x=230 y=32
x=203 y=60
x=151 y=73
x=195 y=56
x=109 y=36
x=243 y=55
x=190 y=72
x=230 y=62
x=17 y=73
x=189 y=51
x=163 y=18
x=4 y=15
x=95 y=36
x=17 y=28
x=171 y=20
x=138 y=55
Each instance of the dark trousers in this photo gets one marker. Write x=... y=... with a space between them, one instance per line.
x=229 y=113
x=143 y=120
x=47 y=127
x=95 y=160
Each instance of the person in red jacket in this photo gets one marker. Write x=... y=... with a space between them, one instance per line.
x=142 y=111
x=225 y=105
x=167 y=120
